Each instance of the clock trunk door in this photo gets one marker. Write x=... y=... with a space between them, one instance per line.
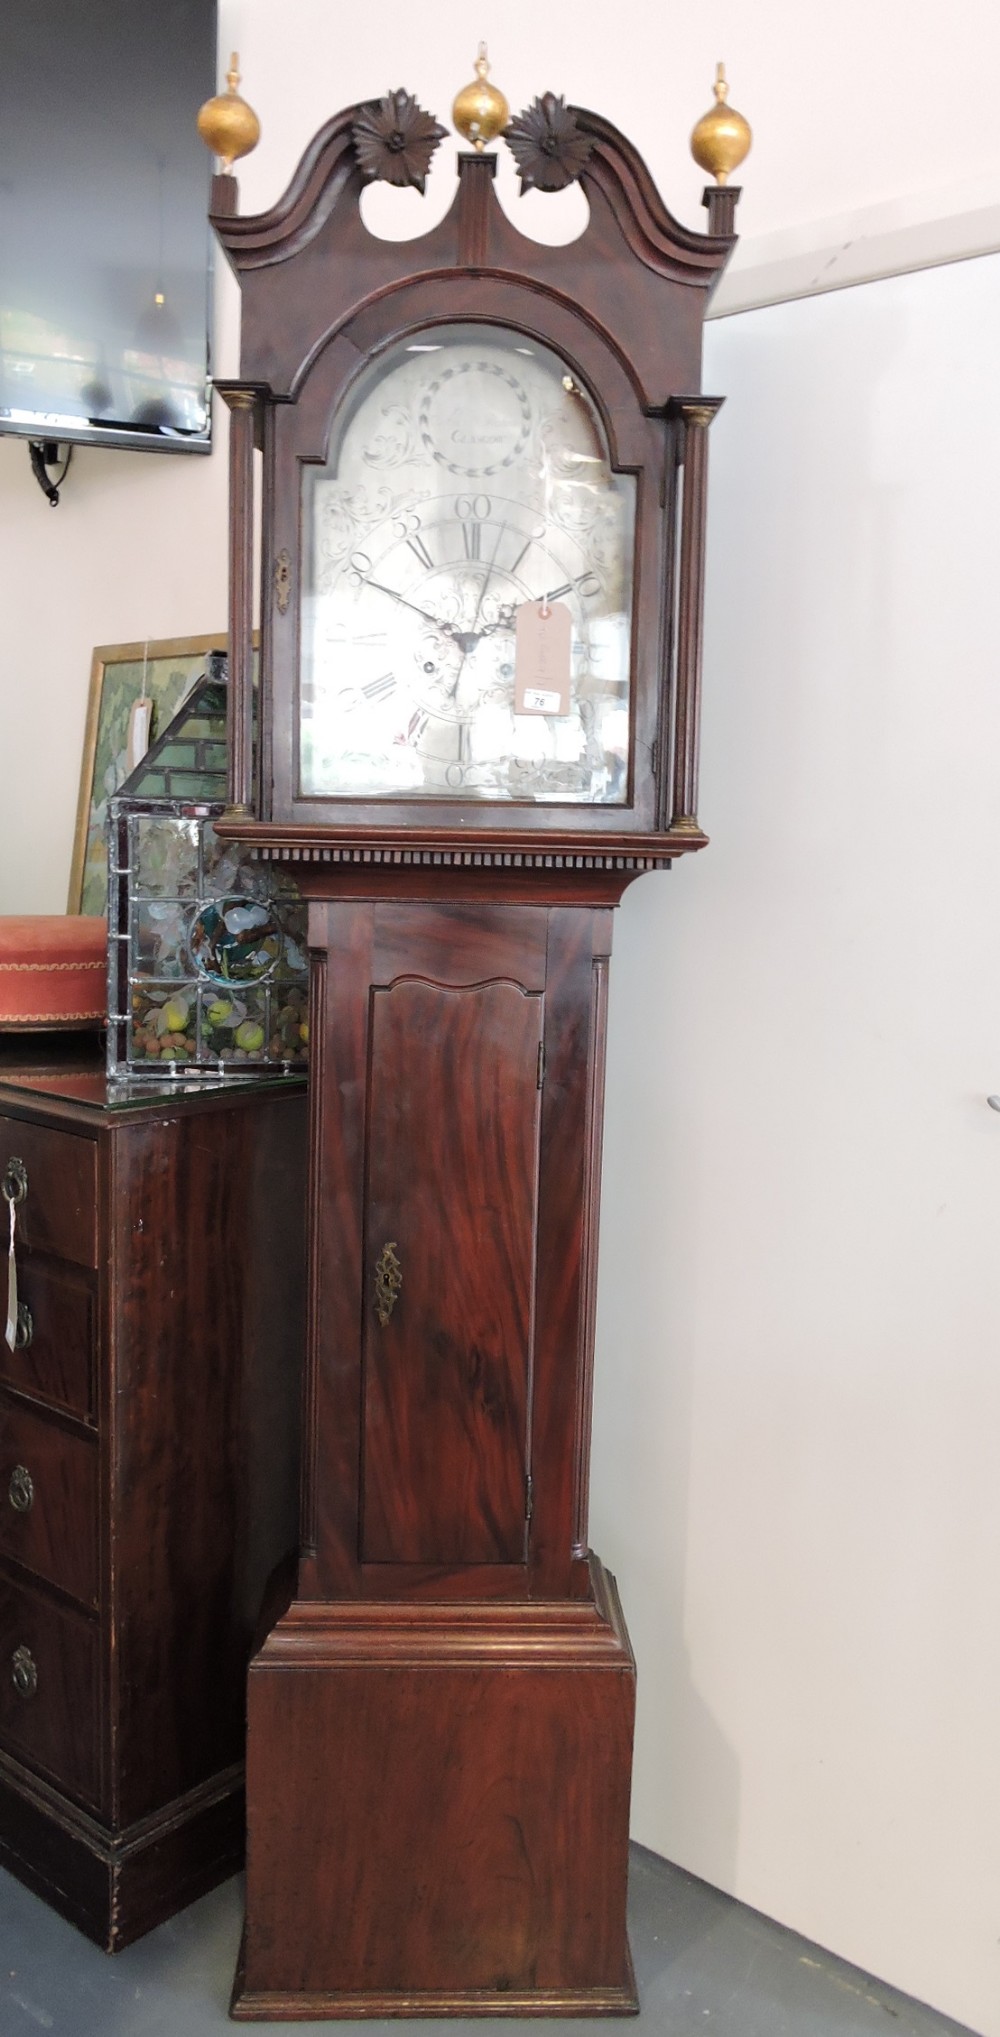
x=452 y=1165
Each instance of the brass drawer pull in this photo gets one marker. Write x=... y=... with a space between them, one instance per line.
x=14 y=1186
x=388 y=1281
x=24 y=1672
x=21 y=1490
x=25 y=1327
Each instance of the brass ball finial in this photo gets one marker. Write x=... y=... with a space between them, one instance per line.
x=226 y=124
x=722 y=137
x=480 y=112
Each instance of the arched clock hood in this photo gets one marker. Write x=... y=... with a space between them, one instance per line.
x=623 y=305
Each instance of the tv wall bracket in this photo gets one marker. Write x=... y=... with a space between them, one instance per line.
x=46 y=453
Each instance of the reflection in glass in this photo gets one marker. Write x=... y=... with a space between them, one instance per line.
x=469 y=479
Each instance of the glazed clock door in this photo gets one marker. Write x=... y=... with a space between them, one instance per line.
x=451 y=1217
x=467 y=485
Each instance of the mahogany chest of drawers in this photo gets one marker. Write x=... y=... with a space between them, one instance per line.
x=148 y=1476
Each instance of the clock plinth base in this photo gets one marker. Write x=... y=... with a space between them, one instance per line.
x=437 y=1808
x=299 y=2008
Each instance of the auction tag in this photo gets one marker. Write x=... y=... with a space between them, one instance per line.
x=139 y=730
x=542 y=658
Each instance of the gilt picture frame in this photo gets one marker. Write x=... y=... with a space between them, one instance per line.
x=162 y=671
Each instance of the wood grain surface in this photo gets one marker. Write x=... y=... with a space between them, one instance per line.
x=54 y=1535
x=155 y=1412
x=453 y=1187
x=455 y=1788
x=57 y=1366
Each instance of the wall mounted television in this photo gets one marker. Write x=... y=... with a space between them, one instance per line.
x=105 y=255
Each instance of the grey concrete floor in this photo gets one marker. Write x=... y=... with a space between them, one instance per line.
x=703 y=1963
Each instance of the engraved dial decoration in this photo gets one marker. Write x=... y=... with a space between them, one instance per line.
x=468 y=480
x=475 y=418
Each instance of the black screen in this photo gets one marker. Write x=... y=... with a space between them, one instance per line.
x=104 y=243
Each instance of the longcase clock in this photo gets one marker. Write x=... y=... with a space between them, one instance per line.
x=482 y=539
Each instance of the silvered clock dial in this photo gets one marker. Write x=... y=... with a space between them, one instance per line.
x=467 y=479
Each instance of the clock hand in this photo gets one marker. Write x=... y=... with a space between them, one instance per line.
x=447 y=629
x=487 y=578
x=468 y=639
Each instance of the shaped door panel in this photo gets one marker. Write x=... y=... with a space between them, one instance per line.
x=452 y=1166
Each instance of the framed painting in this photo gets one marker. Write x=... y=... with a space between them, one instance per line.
x=125 y=679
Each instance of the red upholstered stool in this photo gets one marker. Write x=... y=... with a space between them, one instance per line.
x=53 y=972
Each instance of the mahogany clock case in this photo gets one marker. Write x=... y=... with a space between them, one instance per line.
x=440 y=1724
x=457 y=1118
x=440 y=1716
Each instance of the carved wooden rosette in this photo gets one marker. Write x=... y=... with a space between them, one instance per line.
x=547 y=145
x=394 y=140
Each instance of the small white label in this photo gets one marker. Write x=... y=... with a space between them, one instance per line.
x=536 y=701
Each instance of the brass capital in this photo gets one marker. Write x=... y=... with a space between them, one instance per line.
x=698 y=413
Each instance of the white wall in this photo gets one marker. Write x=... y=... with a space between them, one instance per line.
x=797 y=1437
x=793 y=1470
x=135 y=550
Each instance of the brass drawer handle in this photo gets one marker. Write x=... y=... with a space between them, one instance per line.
x=21 y=1490
x=24 y=1672
x=25 y=1327
x=388 y=1281
x=14 y=1186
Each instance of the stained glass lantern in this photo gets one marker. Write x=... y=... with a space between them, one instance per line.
x=207 y=955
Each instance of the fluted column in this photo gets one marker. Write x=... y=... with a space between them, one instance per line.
x=697 y=415
x=242 y=404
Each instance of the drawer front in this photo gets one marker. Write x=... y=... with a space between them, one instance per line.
x=58 y=1212
x=48 y=1501
x=54 y=1361
x=50 y=1689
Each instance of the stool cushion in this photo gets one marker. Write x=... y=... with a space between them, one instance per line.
x=53 y=972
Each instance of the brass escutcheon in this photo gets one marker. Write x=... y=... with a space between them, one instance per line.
x=21 y=1490
x=388 y=1281
x=24 y=1328
x=14 y=1186
x=24 y=1672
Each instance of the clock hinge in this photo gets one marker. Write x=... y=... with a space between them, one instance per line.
x=654 y=759
x=529 y=1497
x=541 y=1064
